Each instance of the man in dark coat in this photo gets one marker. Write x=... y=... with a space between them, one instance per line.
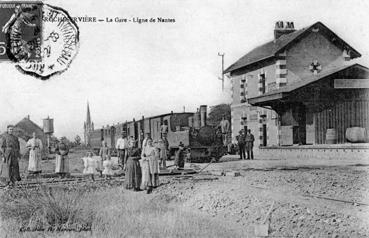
x=249 y=144
x=241 y=144
x=10 y=155
x=179 y=161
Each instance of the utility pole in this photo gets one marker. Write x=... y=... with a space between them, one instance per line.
x=222 y=78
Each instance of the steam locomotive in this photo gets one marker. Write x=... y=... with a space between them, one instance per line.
x=201 y=140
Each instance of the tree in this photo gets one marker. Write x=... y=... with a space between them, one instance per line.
x=217 y=112
x=53 y=141
x=65 y=139
x=77 y=140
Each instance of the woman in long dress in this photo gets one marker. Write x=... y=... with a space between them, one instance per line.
x=149 y=167
x=35 y=148
x=133 y=172
x=62 y=159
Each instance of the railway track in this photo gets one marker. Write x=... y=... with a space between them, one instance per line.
x=33 y=183
x=78 y=179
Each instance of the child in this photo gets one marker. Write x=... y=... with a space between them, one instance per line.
x=108 y=164
x=90 y=165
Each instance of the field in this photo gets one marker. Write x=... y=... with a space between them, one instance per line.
x=311 y=198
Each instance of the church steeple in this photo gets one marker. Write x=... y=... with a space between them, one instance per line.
x=88 y=126
x=88 y=117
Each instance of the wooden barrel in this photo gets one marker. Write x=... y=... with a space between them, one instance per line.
x=331 y=136
x=356 y=134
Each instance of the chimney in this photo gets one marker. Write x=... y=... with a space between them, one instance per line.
x=282 y=28
x=203 y=114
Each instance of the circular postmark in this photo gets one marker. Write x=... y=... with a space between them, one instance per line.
x=59 y=44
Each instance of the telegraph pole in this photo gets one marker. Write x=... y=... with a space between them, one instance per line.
x=222 y=78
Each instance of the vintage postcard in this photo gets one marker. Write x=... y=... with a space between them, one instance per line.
x=184 y=118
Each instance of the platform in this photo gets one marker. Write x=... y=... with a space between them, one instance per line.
x=323 y=151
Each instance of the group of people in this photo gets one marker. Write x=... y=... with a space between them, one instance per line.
x=245 y=143
x=142 y=167
x=10 y=154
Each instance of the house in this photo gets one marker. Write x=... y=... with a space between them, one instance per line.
x=24 y=130
x=301 y=88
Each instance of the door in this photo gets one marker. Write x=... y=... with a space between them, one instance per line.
x=265 y=135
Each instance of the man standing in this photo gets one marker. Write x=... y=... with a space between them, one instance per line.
x=35 y=148
x=241 y=144
x=164 y=128
x=165 y=150
x=179 y=161
x=249 y=144
x=10 y=152
x=122 y=146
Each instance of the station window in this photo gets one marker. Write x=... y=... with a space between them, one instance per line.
x=262 y=82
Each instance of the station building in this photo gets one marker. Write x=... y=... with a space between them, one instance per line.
x=300 y=90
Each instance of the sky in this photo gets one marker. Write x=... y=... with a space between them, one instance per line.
x=126 y=70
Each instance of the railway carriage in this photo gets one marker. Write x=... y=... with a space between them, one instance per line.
x=189 y=128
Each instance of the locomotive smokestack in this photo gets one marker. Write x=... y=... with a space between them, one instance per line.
x=203 y=114
x=196 y=119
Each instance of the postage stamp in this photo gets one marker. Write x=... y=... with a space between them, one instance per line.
x=59 y=44
x=21 y=29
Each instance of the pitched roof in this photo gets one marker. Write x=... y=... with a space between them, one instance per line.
x=271 y=48
x=26 y=127
x=282 y=92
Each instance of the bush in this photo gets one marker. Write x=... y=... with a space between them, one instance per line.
x=112 y=212
x=47 y=208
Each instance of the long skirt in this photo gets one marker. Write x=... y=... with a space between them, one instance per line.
x=146 y=178
x=34 y=162
x=133 y=174
x=9 y=170
x=154 y=170
x=61 y=164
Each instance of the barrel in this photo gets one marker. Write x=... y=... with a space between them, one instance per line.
x=356 y=134
x=331 y=136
